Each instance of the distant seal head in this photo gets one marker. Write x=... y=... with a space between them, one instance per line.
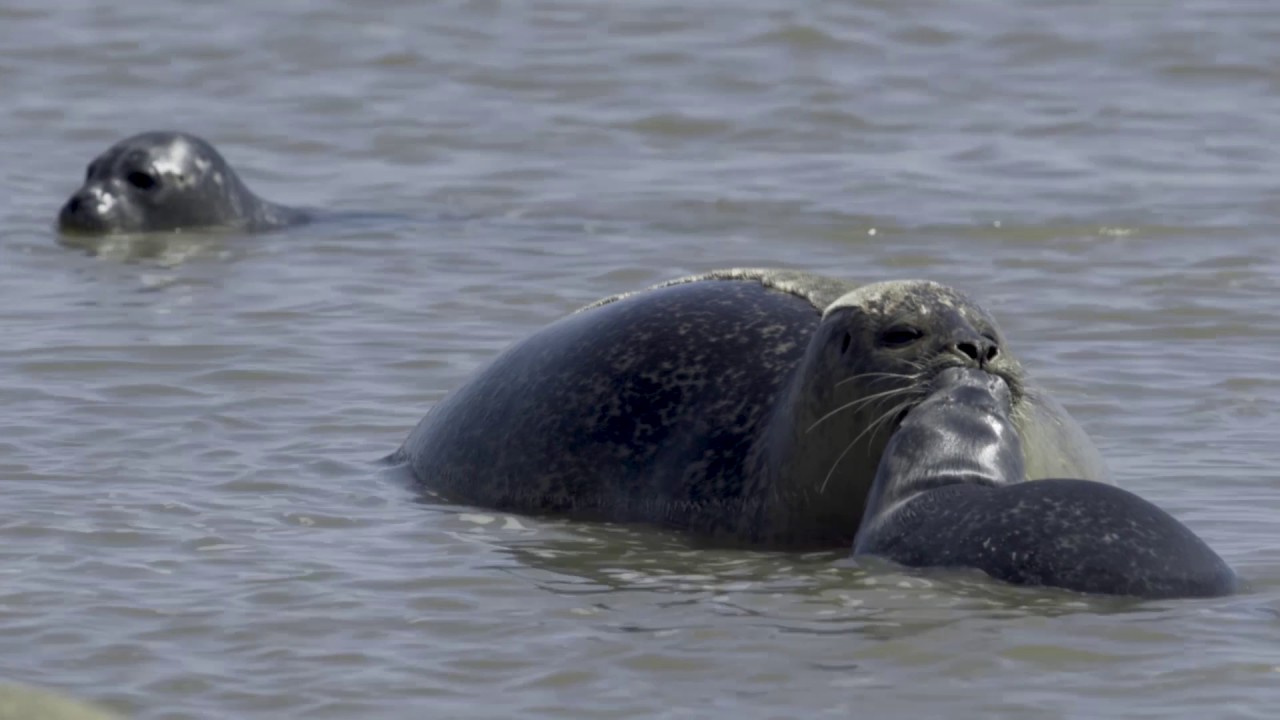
x=749 y=406
x=167 y=182
x=950 y=491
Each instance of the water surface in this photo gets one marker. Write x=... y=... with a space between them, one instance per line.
x=194 y=527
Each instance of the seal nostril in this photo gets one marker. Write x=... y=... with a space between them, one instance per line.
x=73 y=205
x=992 y=352
x=968 y=349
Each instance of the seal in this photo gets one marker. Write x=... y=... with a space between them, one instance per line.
x=951 y=492
x=744 y=406
x=167 y=182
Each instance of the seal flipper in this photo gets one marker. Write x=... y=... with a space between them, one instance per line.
x=951 y=491
x=1074 y=534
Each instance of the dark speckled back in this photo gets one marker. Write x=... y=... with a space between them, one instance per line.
x=637 y=410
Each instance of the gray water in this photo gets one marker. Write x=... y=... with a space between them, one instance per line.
x=194 y=525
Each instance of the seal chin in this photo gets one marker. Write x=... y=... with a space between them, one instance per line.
x=71 y=222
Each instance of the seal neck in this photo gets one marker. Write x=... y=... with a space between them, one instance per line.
x=816 y=465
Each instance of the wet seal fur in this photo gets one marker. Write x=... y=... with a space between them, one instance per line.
x=950 y=492
x=745 y=406
x=167 y=182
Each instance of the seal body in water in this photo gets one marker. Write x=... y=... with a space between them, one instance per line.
x=166 y=182
x=745 y=406
x=949 y=492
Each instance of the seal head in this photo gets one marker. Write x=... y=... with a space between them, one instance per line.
x=873 y=357
x=951 y=491
x=166 y=182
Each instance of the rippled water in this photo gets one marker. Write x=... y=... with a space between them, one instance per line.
x=193 y=523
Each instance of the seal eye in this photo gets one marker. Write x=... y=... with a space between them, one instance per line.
x=844 y=344
x=900 y=335
x=141 y=180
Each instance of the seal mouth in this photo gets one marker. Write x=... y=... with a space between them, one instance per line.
x=81 y=224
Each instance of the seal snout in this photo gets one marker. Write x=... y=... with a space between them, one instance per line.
x=978 y=351
x=972 y=387
x=85 y=210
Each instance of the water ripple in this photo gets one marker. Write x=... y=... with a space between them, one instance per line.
x=196 y=527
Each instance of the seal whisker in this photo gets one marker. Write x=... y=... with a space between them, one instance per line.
x=834 y=465
x=889 y=376
x=882 y=376
x=849 y=447
x=884 y=420
x=855 y=404
x=874 y=424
